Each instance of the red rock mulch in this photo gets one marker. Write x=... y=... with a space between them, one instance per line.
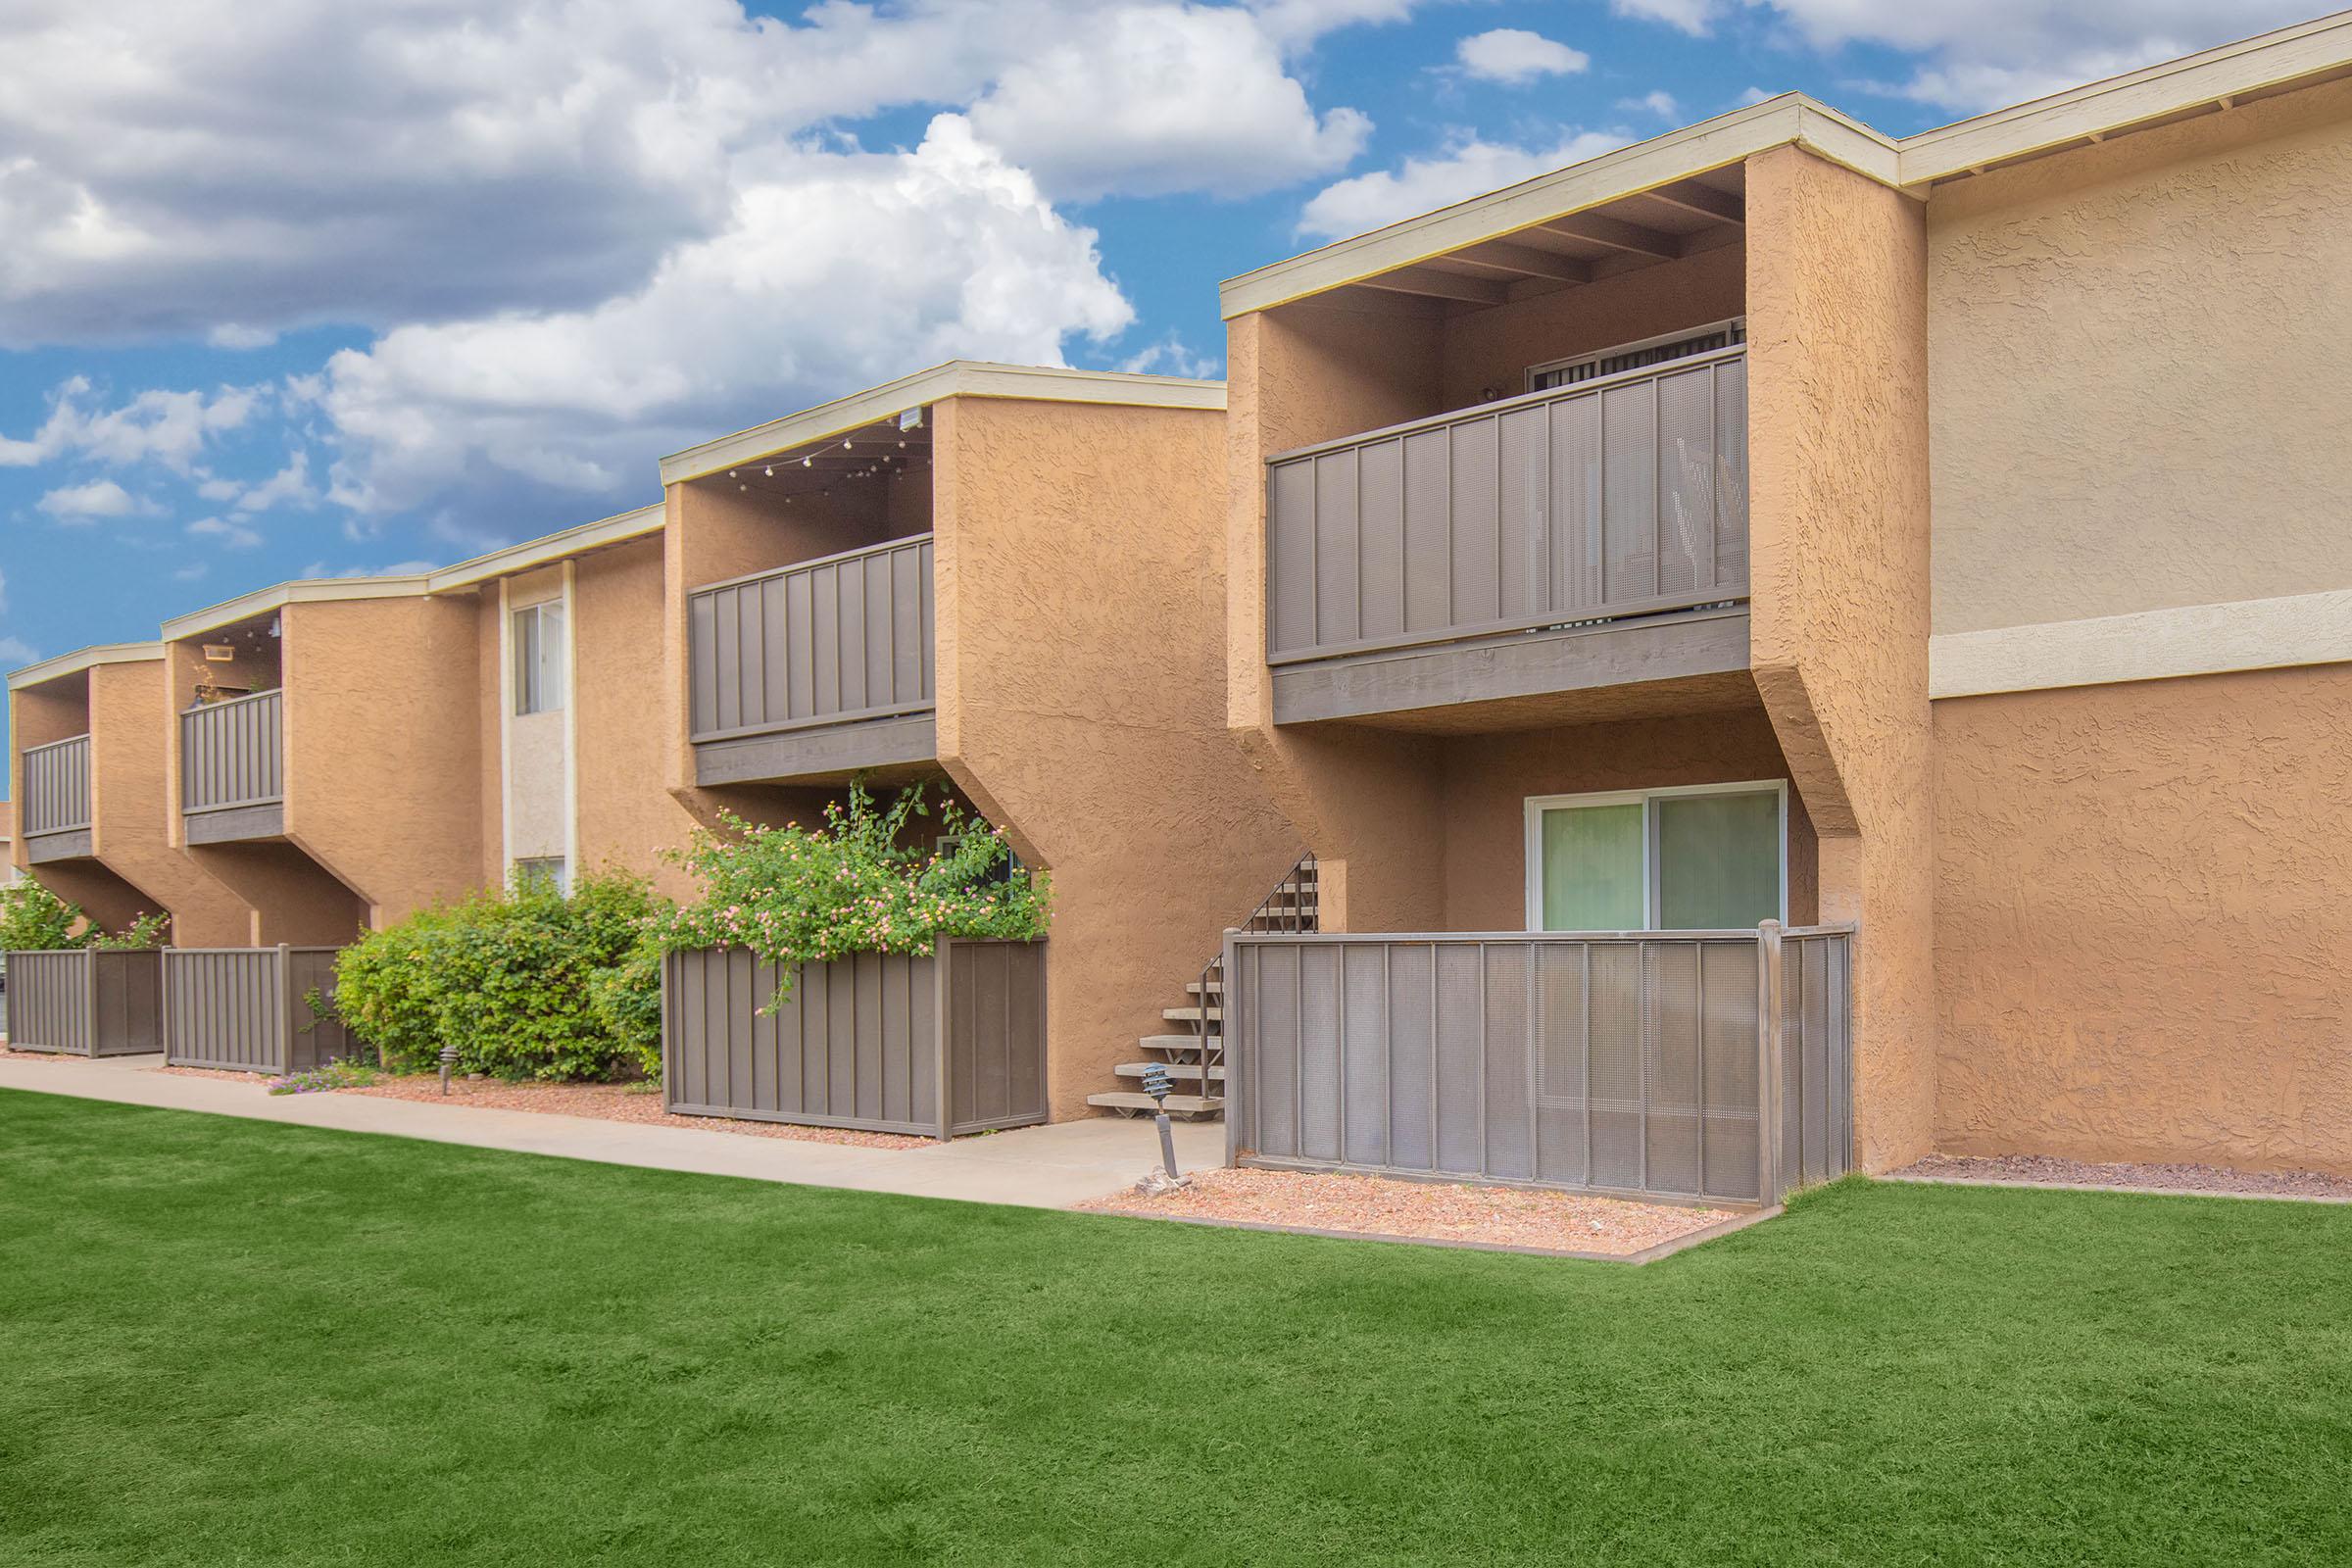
x=2048 y=1170
x=1376 y=1205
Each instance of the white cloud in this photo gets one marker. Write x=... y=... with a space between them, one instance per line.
x=1987 y=54
x=1170 y=356
x=837 y=271
x=289 y=486
x=170 y=428
x=1516 y=57
x=88 y=502
x=268 y=163
x=232 y=535
x=1659 y=103
x=15 y=653
x=1466 y=168
x=1151 y=99
x=193 y=571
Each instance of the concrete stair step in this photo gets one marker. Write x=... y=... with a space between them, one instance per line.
x=1178 y=1104
x=1191 y=1014
x=1187 y=1045
x=1182 y=1071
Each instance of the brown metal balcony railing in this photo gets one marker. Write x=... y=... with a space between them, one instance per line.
x=57 y=787
x=1618 y=496
x=830 y=641
x=229 y=754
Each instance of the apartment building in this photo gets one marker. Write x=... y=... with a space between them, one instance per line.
x=1939 y=536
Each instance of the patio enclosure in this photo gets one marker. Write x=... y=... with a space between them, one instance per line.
x=249 y=1008
x=87 y=1003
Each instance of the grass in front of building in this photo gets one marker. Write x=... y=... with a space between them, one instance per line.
x=230 y=1342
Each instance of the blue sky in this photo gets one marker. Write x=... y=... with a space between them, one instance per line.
x=297 y=287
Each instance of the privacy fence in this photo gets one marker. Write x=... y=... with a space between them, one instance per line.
x=252 y=1009
x=1692 y=1064
x=938 y=1045
x=87 y=1003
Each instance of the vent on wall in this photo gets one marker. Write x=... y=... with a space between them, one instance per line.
x=1636 y=355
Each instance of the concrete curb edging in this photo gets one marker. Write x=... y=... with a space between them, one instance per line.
x=2135 y=1192
x=1649 y=1254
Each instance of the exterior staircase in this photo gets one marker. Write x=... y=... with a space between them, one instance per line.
x=1192 y=1048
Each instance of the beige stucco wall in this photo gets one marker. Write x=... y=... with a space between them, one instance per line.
x=627 y=815
x=1489 y=779
x=2137 y=396
x=382 y=742
x=2143 y=937
x=1488 y=352
x=1838 y=453
x=537 y=802
x=133 y=806
x=1080 y=585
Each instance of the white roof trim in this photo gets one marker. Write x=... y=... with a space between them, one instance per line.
x=81 y=659
x=306 y=591
x=965 y=378
x=535 y=552
x=2146 y=644
x=2046 y=125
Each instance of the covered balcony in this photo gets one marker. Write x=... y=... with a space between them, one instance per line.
x=231 y=722
x=55 y=787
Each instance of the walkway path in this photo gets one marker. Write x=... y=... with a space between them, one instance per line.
x=1040 y=1167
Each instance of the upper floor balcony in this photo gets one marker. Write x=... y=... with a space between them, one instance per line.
x=1578 y=537
x=231 y=770
x=820 y=667
x=55 y=787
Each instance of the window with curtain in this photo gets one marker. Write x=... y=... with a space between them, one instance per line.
x=1657 y=860
x=538 y=640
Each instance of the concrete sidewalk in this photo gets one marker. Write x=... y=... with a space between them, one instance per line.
x=1039 y=1167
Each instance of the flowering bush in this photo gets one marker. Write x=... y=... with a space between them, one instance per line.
x=515 y=980
x=34 y=919
x=321 y=1080
x=861 y=883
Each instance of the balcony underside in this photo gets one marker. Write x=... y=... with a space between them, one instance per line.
x=237 y=824
x=823 y=754
x=43 y=849
x=1692 y=661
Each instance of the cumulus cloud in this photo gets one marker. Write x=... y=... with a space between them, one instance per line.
x=1515 y=57
x=837 y=271
x=1467 y=167
x=1986 y=54
x=232 y=535
x=1659 y=103
x=290 y=486
x=170 y=428
x=1151 y=99
x=88 y=502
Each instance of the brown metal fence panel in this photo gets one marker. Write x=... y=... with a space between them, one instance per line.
x=1619 y=1063
x=57 y=787
x=858 y=1042
x=229 y=754
x=1617 y=497
x=249 y=1010
x=822 y=641
x=87 y=1003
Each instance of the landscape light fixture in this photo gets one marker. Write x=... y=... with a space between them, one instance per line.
x=1158 y=1086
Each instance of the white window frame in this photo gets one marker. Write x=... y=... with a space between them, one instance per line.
x=561 y=864
x=1538 y=805
x=1536 y=371
x=537 y=612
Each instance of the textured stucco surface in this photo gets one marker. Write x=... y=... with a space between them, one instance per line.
x=1080 y=586
x=2143 y=939
x=1489 y=779
x=2138 y=394
x=627 y=815
x=1489 y=352
x=537 y=746
x=1838 y=453
x=132 y=806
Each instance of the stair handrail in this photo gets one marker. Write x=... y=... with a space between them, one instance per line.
x=1300 y=878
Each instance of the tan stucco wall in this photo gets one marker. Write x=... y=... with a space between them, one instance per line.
x=1489 y=779
x=1488 y=352
x=1080 y=585
x=132 y=807
x=2137 y=395
x=1838 y=453
x=627 y=815
x=2143 y=933
x=382 y=741
x=537 y=795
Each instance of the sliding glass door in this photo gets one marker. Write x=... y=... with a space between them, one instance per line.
x=1703 y=858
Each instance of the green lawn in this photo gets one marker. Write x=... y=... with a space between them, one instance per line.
x=225 y=1342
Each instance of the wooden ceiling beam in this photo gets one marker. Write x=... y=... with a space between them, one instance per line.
x=1526 y=260
x=1598 y=228
x=1704 y=200
x=1429 y=283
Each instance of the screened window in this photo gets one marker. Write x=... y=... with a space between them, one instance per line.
x=1636 y=356
x=1696 y=860
x=539 y=657
x=541 y=874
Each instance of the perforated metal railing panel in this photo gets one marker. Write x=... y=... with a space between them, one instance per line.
x=1615 y=1062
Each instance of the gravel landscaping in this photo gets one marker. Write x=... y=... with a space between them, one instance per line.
x=2049 y=1171
x=1376 y=1205
x=613 y=1103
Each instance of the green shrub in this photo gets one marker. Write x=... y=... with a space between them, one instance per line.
x=856 y=884
x=521 y=981
x=34 y=919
